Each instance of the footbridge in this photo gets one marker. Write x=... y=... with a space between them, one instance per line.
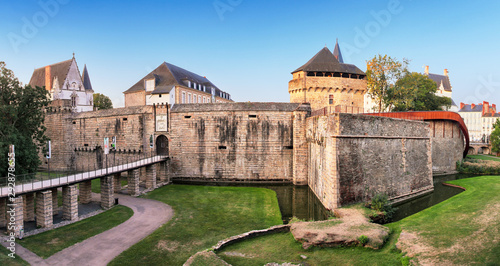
x=19 y=194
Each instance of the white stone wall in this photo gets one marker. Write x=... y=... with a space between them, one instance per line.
x=74 y=84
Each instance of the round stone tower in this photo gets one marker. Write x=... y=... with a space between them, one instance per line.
x=325 y=81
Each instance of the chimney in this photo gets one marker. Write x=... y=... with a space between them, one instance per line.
x=427 y=70
x=462 y=105
x=486 y=107
x=446 y=72
x=48 y=78
x=472 y=106
x=494 y=108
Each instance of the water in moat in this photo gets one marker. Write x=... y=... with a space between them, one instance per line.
x=441 y=192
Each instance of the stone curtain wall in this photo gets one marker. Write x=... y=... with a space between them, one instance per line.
x=233 y=141
x=78 y=138
x=353 y=157
x=447 y=145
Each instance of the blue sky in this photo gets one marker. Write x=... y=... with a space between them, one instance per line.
x=248 y=48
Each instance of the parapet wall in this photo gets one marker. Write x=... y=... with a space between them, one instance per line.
x=354 y=157
x=233 y=141
x=447 y=145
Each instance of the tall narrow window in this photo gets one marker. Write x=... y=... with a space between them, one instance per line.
x=199 y=98
x=73 y=101
x=330 y=99
x=183 y=97
x=194 y=98
x=189 y=98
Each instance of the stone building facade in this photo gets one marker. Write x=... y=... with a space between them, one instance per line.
x=66 y=85
x=325 y=81
x=169 y=84
x=479 y=119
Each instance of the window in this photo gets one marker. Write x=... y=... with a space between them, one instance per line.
x=183 y=97
x=194 y=98
x=204 y=88
x=189 y=98
x=150 y=85
x=73 y=101
x=194 y=85
x=330 y=99
x=199 y=98
x=204 y=99
x=159 y=95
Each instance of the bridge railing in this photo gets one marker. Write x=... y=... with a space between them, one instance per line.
x=35 y=181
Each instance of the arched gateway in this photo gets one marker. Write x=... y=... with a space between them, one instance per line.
x=161 y=145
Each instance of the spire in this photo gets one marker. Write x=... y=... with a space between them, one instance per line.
x=86 y=79
x=337 y=53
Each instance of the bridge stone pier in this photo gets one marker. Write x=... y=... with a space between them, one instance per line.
x=133 y=182
x=44 y=214
x=70 y=203
x=107 y=192
x=86 y=192
x=15 y=216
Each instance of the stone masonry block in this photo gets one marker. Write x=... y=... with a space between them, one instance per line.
x=70 y=203
x=117 y=185
x=55 y=202
x=133 y=182
x=44 y=216
x=15 y=216
x=29 y=212
x=3 y=212
x=86 y=192
x=107 y=192
x=150 y=176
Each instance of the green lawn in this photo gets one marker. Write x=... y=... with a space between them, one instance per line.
x=464 y=229
x=6 y=260
x=484 y=157
x=96 y=184
x=53 y=241
x=204 y=215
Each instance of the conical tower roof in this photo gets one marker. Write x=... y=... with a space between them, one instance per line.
x=325 y=61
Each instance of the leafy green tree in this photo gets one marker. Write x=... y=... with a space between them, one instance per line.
x=415 y=92
x=382 y=73
x=495 y=137
x=21 y=122
x=102 y=101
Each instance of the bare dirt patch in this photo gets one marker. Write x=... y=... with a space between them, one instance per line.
x=418 y=246
x=170 y=246
x=54 y=241
x=346 y=230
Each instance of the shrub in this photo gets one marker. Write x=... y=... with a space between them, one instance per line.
x=363 y=240
x=380 y=203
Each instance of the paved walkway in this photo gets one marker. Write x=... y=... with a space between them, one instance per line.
x=148 y=216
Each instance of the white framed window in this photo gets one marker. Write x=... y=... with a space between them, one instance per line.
x=204 y=88
x=194 y=98
x=204 y=99
x=150 y=84
x=183 y=97
x=194 y=85
x=189 y=98
x=199 y=98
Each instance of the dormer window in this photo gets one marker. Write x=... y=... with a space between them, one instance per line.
x=194 y=85
x=150 y=85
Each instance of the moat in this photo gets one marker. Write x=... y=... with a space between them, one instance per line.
x=301 y=202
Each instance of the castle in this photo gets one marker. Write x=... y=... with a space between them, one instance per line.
x=343 y=158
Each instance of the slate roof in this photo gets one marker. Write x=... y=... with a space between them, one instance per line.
x=325 y=61
x=491 y=115
x=467 y=108
x=337 y=53
x=167 y=76
x=441 y=79
x=86 y=79
x=60 y=70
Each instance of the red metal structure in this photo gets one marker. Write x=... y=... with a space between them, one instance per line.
x=430 y=116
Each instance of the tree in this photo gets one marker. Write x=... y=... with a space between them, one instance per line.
x=495 y=137
x=21 y=122
x=382 y=73
x=415 y=92
x=102 y=102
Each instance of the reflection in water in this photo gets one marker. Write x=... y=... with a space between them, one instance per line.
x=300 y=202
x=441 y=193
